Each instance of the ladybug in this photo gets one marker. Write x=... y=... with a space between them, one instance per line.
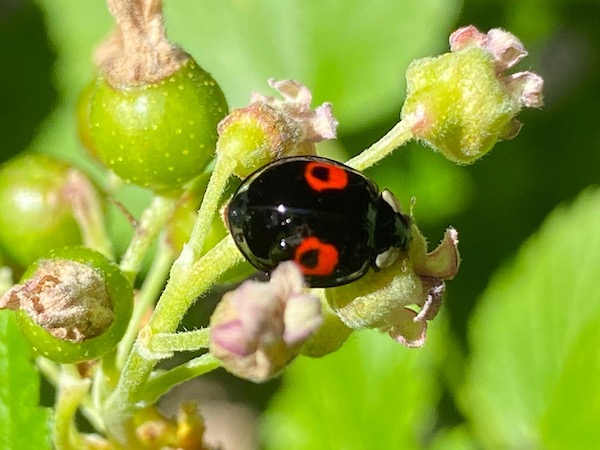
x=327 y=217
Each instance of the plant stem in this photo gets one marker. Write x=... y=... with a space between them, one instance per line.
x=396 y=137
x=152 y=220
x=160 y=383
x=71 y=391
x=191 y=281
x=183 y=341
x=88 y=213
x=153 y=284
x=53 y=374
x=224 y=167
x=188 y=281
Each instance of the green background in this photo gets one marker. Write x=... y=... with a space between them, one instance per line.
x=513 y=362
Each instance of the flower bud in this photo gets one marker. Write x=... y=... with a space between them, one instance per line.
x=186 y=431
x=329 y=337
x=386 y=300
x=270 y=128
x=257 y=329
x=461 y=103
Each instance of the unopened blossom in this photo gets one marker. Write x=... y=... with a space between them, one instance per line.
x=258 y=328
x=401 y=299
x=270 y=128
x=330 y=336
x=461 y=103
x=186 y=431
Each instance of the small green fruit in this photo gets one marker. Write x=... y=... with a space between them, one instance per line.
x=159 y=135
x=83 y=111
x=36 y=215
x=83 y=274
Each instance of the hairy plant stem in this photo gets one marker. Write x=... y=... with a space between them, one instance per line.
x=159 y=383
x=224 y=167
x=71 y=391
x=184 y=341
x=152 y=221
x=153 y=284
x=189 y=279
x=396 y=137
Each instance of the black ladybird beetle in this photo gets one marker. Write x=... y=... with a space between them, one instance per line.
x=327 y=217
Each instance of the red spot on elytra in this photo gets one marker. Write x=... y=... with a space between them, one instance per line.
x=321 y=176
x=316 y=257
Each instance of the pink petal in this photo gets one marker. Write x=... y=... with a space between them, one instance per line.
x=406 y=330
x=466 y=37
x=527 y=87
x=232 y=337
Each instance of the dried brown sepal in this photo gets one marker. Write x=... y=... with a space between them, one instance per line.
x=138 y=52
x=66 y=298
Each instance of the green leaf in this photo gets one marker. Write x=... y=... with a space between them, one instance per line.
x=24 y=424
x=346 y=52
x=371 y=394
x=577 y=390
x=534 y=381
x=457 y=438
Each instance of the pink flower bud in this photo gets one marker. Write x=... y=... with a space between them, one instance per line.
x=270 y=128
x=258 y=328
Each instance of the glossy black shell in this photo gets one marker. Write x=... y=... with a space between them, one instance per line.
x=277 y=209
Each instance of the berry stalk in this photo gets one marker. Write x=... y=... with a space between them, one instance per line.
x=396 y=137
x=152 y=221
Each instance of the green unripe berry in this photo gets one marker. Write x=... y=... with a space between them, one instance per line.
x=74 y=305
x=83 y=111
x=36 y=214
x=158 y=135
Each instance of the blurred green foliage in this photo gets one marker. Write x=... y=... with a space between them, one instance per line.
x=535 y=369
x=521 y=375
x=24 y=423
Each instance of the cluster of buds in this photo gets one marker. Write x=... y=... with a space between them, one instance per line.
x=460 y=103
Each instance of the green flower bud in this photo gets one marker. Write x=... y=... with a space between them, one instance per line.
x=270 y=128
x=386 y=300
x=461 y=103
x=330 y=336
